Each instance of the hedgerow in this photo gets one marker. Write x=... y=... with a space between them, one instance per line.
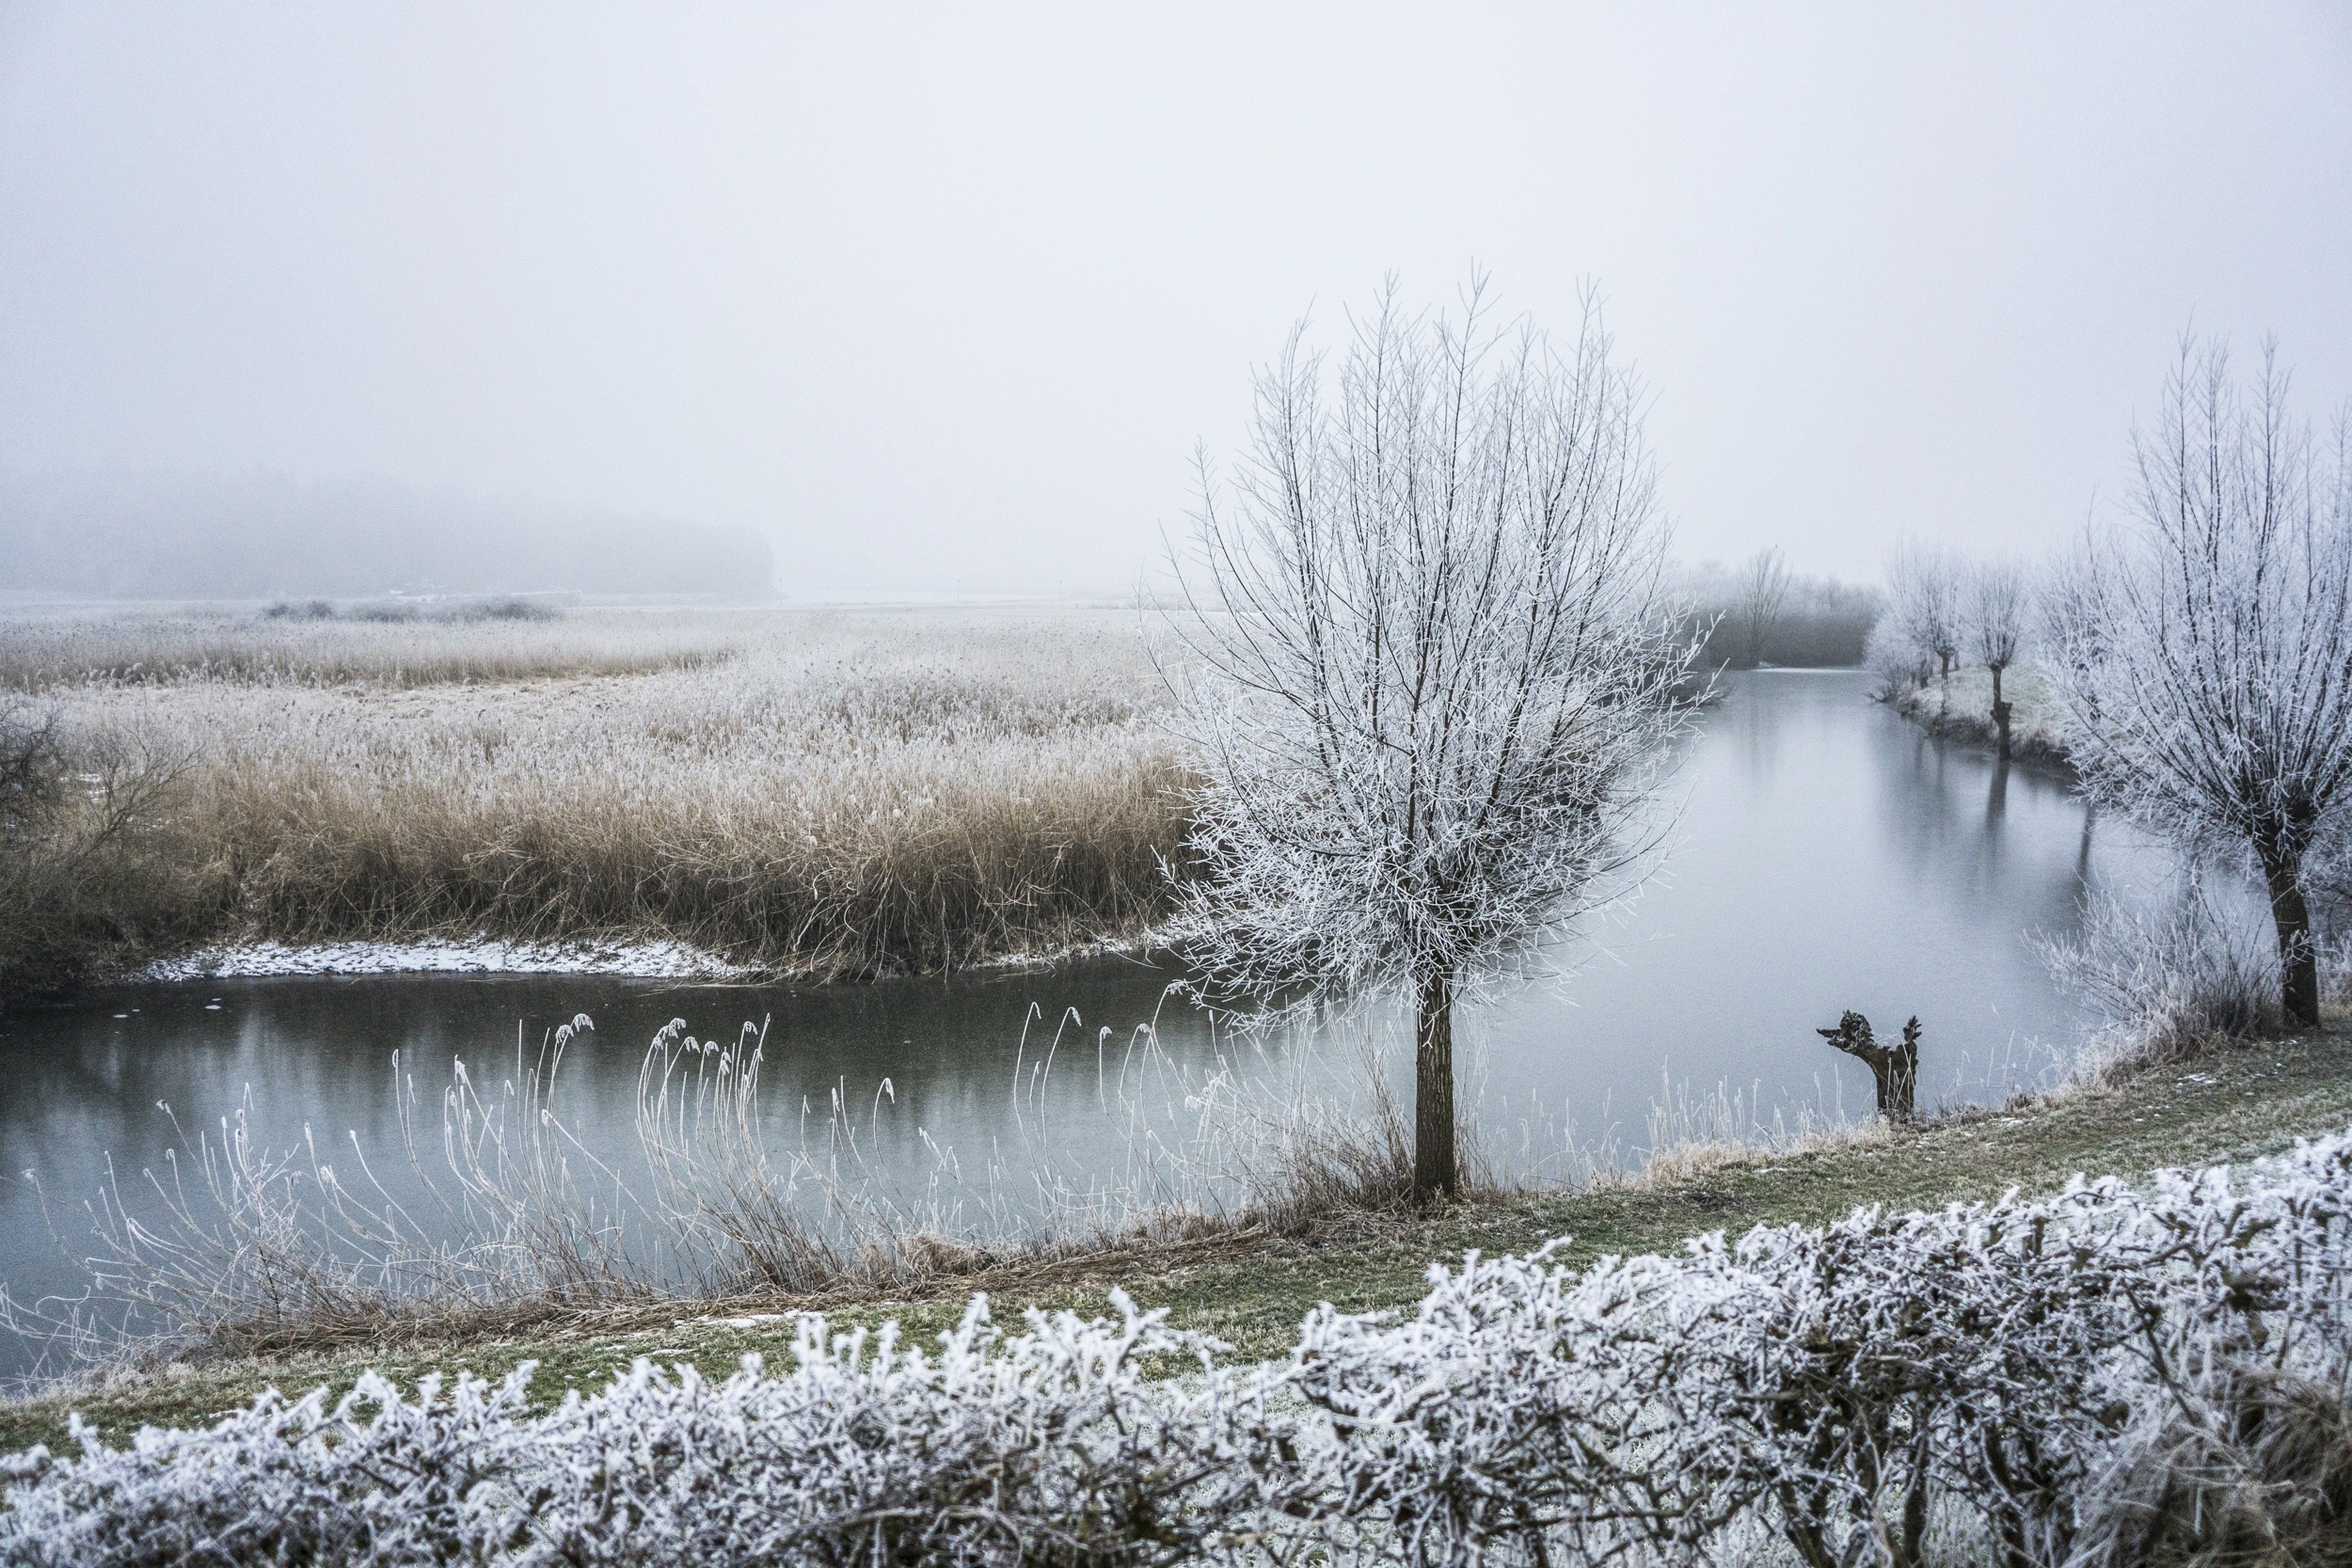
x=2115 y=1374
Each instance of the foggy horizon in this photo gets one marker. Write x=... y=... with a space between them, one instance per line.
x=942 y=305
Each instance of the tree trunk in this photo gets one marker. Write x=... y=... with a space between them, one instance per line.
x=2298 y=958
x=2000 y=713
x=1433 y=1168
x=1894 y=1069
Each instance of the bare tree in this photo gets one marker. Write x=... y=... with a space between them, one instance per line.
x=2206 y=669
x=1763 y=583
x=1923 y=596
x=1997 y=625
x=1430 y=663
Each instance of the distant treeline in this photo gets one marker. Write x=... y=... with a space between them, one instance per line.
x=1810 y=621
x=142 y=536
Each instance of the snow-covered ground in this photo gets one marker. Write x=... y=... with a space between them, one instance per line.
x=666 y=960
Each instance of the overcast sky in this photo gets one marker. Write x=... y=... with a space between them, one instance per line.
x=943 y=299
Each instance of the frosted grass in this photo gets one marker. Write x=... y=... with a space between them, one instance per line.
x=829 y=795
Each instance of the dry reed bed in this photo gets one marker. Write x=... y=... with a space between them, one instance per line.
x=841 y=795
x=49 y=650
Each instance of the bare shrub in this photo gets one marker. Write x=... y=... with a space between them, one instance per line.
x=1053 y=1447
x=94 y=871
x=32 y=769
x=2166 y=981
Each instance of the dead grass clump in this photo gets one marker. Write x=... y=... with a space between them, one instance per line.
x=2168 y=983
x=1306 y=1160
x=1291 y=1151
x=2251 y=1469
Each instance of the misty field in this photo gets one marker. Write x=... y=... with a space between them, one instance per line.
x=836 y=794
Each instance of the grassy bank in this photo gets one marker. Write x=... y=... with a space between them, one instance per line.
x=1251 y=1288
x=1961 y=708
x=838 y=794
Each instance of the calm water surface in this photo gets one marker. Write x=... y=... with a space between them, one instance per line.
x=1825 y=856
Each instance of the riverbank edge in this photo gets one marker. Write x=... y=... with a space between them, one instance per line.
x=2034 y=748
x=1251 y=1288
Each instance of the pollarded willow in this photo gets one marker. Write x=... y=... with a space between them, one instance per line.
x=1429 y=664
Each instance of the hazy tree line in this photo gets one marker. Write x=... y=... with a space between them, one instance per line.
x=1759 y=613
x=134 y=537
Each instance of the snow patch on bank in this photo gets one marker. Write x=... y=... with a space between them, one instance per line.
x=658 y=959
x=1100 y=947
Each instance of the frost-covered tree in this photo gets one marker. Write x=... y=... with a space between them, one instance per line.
x=1430 y=663
x=2204 y=666
x=1996 y=626
x=1923 y=598
x=1763 y=583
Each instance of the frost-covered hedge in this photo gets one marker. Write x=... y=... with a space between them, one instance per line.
x=2110 y=1376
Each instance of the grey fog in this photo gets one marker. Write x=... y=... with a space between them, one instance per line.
x=938 y=300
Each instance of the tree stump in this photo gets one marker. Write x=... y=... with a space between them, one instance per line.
x=1896 y=1069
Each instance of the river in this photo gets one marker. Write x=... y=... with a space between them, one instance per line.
x=1823 y=855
